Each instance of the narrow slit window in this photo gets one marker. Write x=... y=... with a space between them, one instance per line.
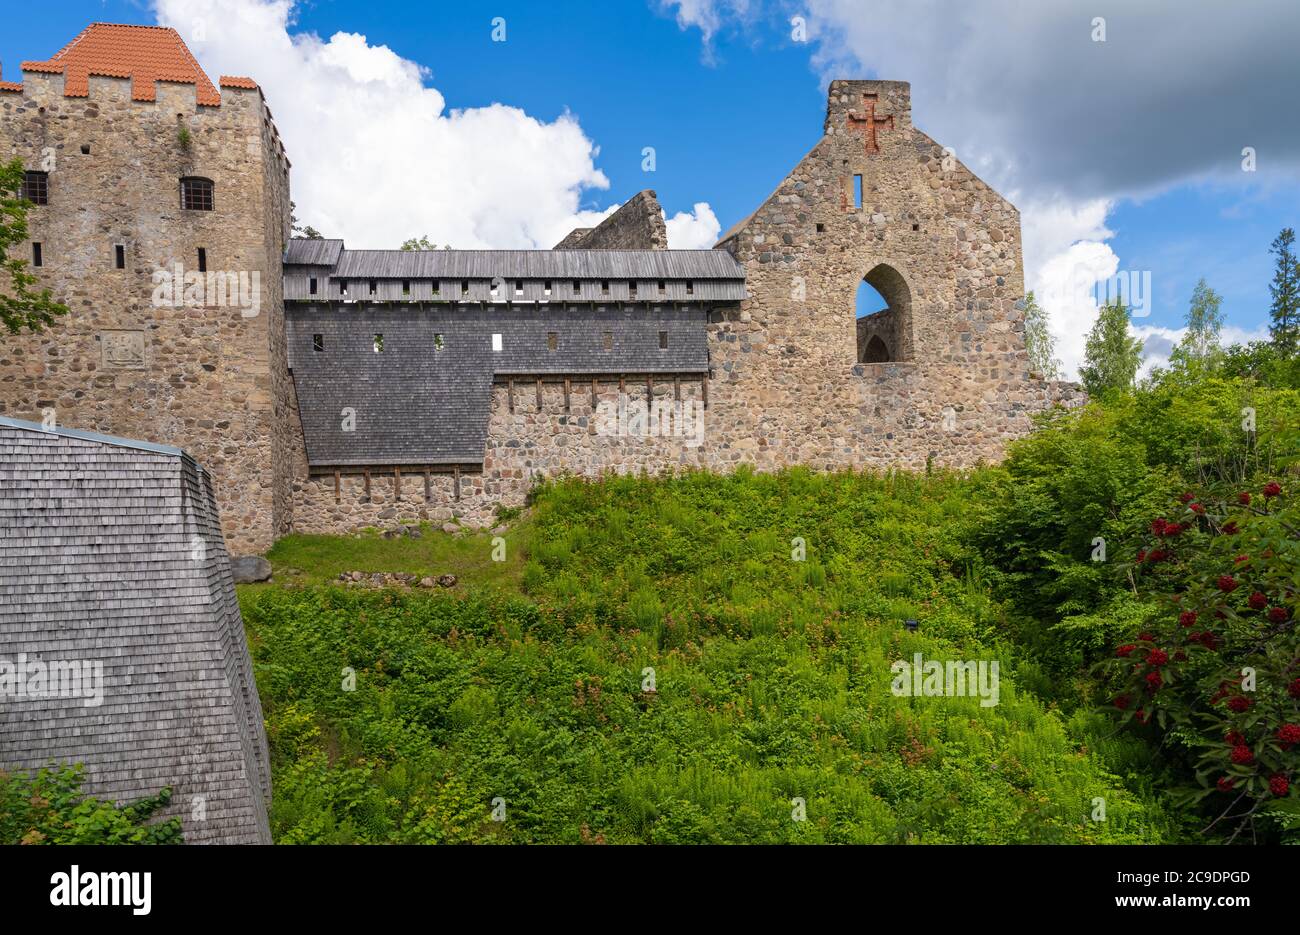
x=631 y=289
x=38 y=258
x=857 y=192
x=318 y=342
x=577 y=287
x=662 y=284
x=311 y=286
x=36 y=187
x=552 y=340
x=374 y=287
x=821 y=228
x=203 y=260
x=607 y=340
x=406 y=287
x=690 y=287
x=119 y=256
x=604 y=287
x=546 y=288
x=496 y=342
x=464 y=287
x=379 y=344
x=437 y=287
x=663 y=340
x=519 y=287
x=343 y=287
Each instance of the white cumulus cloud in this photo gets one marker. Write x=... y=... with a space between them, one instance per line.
x=377 y=154
x=696 y=229
x=1064 y=286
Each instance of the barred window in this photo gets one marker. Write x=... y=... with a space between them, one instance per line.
x=36 y=187
x=197 y=194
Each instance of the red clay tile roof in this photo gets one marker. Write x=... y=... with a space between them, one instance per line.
x=9 y=85
x=144 y=54
x=235 y=81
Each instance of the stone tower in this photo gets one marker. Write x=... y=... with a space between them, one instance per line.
x=161 y=218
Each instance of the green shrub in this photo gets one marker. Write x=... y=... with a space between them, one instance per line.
x=48 y=807
x=1216 y=674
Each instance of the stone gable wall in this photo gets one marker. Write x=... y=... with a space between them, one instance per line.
x=638 y=224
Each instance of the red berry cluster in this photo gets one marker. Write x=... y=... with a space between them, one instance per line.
x=1148 y=664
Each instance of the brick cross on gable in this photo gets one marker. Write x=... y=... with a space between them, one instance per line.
x=870 y=122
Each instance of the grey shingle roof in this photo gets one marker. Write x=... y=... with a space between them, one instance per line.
x=553 y=264
x=313 y=252
x=111 y=552
x=415 y=404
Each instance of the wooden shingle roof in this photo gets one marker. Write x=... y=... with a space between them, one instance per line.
x=111 y=553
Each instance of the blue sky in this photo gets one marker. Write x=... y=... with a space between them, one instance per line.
x=730 y=102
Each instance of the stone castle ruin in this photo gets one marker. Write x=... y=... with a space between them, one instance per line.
x=327 y=389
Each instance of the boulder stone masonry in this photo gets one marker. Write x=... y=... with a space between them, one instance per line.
x=210 y=378
x=940 y=377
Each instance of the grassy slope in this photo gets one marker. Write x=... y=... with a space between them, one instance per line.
x=773 y=678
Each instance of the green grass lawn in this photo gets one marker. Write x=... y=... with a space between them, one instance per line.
x=317 y=559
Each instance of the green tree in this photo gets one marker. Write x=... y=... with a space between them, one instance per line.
x=21 y=306
x=1285 y=289
x=302 y=230
x=1111 y=355
x=1039 y=342
x=1199 y=348
x=1261 y=362
x=419 y=243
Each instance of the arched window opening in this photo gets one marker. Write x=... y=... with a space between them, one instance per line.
x=883 y=312
x=869 y=300
x=876 y=351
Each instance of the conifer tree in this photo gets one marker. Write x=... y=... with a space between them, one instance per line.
x=1285 y=289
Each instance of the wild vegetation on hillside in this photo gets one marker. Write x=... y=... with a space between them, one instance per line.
x=771 y=683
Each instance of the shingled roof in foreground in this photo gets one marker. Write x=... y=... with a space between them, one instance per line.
x=111 y=556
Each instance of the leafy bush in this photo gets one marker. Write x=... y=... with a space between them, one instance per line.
x=50 y=808
x=1101 y=473
x=1217 y=673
